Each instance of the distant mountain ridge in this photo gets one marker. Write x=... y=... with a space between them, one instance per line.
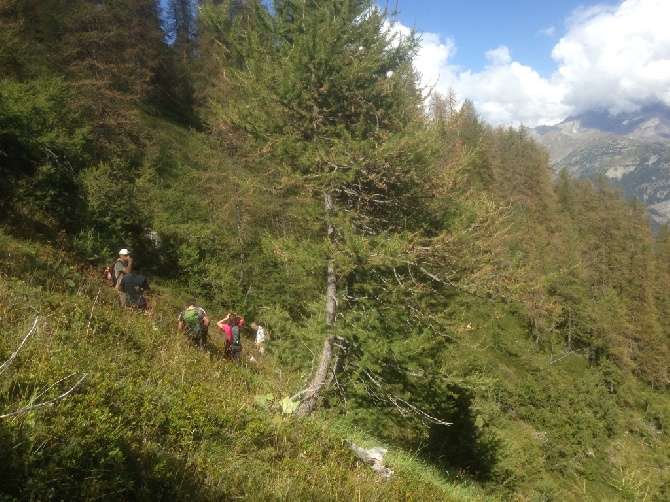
x=631 y=149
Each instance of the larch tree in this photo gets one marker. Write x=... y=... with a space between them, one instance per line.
x=110 y=52
x=177 y=75
x=325 y=94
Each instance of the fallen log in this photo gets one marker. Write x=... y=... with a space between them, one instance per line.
x=374 y=457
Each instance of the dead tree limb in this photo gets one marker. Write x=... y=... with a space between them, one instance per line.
x=46 y=403
x=374 y=457
x=404 y=407
x=90 y=317
x=13 y=356
x=25 y=409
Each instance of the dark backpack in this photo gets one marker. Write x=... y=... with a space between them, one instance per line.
x=235 y=334
x=192 y=323
x=112 y=273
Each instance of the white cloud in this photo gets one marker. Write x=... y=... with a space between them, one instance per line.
x=499 y=56
x=433 y=59
x=615 y=58
x=548 y=32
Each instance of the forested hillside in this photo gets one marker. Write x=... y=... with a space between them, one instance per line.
x=425 y=285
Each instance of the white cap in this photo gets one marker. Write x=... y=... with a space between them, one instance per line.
x=124 y=251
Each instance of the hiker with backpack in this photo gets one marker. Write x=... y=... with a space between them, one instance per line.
x=194 y=323
x=225 y=327
x=134 y=285
x=231 y=325
x=123 y=265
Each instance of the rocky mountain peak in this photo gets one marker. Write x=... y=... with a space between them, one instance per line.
x=632 y=149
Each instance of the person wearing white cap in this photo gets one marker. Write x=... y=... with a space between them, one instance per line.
x=123 y=265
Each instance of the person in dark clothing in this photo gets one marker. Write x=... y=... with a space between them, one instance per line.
x=134 y=285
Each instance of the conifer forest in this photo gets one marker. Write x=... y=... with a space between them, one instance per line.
x=429 y=287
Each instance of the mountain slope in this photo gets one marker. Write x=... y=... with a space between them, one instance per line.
x=632 y=150
x=142 y=415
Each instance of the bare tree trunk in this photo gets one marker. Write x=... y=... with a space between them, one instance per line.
x=331 y=288
x=331 y=297
x=321 y=377
x=314 y=390
x=324 y=374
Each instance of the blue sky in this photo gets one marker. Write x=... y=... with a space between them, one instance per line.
x=530 y=62
x=529 y=28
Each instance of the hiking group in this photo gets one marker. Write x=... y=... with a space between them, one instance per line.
x=193 y=322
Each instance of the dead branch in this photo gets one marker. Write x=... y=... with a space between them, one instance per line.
x=90 y=317
x=44 y=403
x=49 y=402
x=403 y=406
x=13 y=356
x=374 y=457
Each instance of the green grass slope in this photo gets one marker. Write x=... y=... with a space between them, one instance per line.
x=134 y=413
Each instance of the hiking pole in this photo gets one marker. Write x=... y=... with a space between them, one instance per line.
x=211 y=339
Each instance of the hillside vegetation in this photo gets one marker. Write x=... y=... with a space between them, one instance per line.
x=425 y=284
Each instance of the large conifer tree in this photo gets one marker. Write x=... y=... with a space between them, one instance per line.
x=326 y=96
